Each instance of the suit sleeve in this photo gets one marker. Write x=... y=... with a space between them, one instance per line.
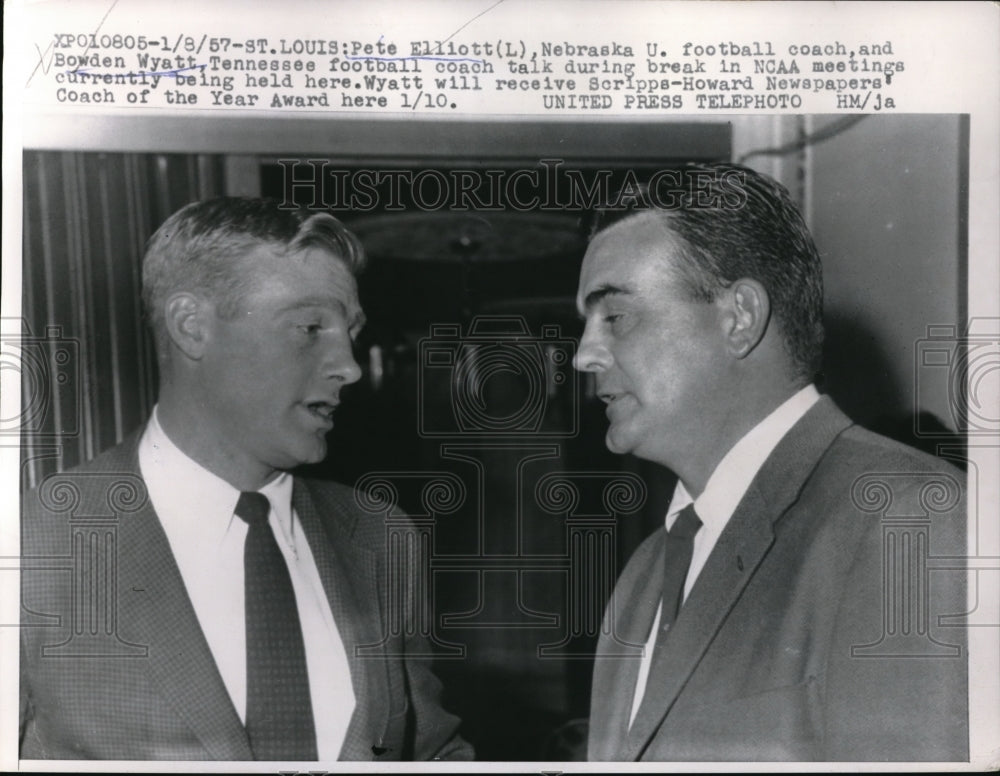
x=416 y=726
x=897 y=684
x=435 y=731
x=432 y=732
x=24 y=700
x=28 y=735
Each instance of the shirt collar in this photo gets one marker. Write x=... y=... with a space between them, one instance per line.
x=188 y=491
x=732 y=476
x=279 y=493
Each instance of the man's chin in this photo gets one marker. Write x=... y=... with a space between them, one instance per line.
x=316 y=455
x=618 y=442
x=307 y=453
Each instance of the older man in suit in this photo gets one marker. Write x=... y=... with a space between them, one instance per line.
x=783 y=612
x=247 y=611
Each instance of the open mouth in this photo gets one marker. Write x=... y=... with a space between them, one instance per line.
x=322 y=409
x=615 y=404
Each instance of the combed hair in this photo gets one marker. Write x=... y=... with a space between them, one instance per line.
x=200 y=246
x=736 y=223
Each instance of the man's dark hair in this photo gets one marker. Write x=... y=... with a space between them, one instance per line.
x=737 y=223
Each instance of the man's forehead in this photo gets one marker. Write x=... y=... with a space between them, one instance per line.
x=344 y=283
x=638 y=233
x=315 y=274
x=278 y=253
x=626 y=257
x=276 y=261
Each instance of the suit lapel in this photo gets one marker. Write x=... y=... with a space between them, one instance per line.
x=631 y=611
x=740 y=549
x=350 y=579
x=711 y=599
x=155 y=610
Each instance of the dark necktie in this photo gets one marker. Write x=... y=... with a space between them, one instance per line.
x=677 y=561
x=679 y=548
x=279 y=718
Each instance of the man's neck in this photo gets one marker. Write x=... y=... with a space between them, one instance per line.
x=196 y=437
x=745 y=412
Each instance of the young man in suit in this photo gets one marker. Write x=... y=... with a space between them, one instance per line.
x=757 y=624
x=246 y=617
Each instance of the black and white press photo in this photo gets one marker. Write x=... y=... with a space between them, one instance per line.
x=516 y=386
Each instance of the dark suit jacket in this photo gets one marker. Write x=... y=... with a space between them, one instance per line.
x=807 y=636
x=114 y=664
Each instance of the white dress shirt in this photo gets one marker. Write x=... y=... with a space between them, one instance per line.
x=723 y=492
x=196 y=509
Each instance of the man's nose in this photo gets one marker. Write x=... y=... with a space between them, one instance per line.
x=340 y=362
x=592 y=355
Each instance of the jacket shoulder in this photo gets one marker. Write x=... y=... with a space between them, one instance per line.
x=352 y=511
x=875 y=447
x=868 y=460
x=105 y=486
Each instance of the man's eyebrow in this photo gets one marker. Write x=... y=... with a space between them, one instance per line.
x=356 y=322
x=602 y=291
x=311 y=301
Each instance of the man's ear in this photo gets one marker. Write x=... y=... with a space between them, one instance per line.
x=748 y=312
x=186 y=316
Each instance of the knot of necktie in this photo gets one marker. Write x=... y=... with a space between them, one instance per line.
x=253 y=508
x=687 y=523
x=678 y=550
